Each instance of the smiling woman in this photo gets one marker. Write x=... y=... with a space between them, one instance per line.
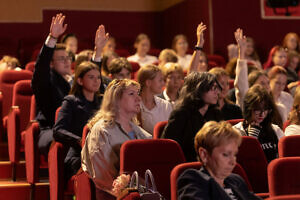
x=216 y=145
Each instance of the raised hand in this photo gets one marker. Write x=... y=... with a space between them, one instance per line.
x=200 y=36
x=101 y=38
x=58 y=27
x=241 y=42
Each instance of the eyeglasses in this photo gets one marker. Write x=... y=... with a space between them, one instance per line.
x=263 y=111
x=63 y=58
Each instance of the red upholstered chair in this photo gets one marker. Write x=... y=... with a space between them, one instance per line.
x=135 y=68
x=154 y=52
x=286 y=124
x=18 y=119
x=284 y=176
x=196 y=165
x=285 y=197
x=30 y=66
x=160 y=156
x=158 y=129
x=85 y=132
x=84 y=187
x=217 y=59
x=122 y=52
x=288 y=146
x=252 y=158
x=234 y=121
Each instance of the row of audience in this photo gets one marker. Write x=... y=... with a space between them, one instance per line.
x=116 y=109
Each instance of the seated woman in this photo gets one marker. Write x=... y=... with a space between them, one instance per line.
x=229 y=109
x=216 y=145
x=173 y=76
x=153 y=108
x=9 y=63
x=195 y=106
x=251 y=54
x=165 y=56
x=77 y=108
x=113 y=124
x=294 y=116
x=258 y=112
x=142 y=46
x=277 y=56
x=181 y=45
x=291 y=42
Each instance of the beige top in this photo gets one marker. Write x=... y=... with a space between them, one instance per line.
x=142 y=61
x=101 y=152
x=185 y=61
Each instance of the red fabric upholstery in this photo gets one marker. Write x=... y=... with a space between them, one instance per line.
x=32 y=108
x=252 y=158
x=284 y=176
x=85 y=132
x=154 y=52
x=285 y=197
x=175 y=173
x=7 y=80
x=196 y=165
x=286 y=124
x=84 y=187
x=234 y=121
x=231 y=83
x=57 y=112
x=122 y=52
x=289 y=146
x=158 y=129
x=30 y=66
x=218 y=59
x=135 y=66
x=160 y=156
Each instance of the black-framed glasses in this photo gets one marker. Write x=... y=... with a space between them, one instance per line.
x=262 y=111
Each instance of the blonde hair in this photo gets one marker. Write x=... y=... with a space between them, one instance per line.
x=214 y=134
x=168 y=55
x=147 y=72
x=169 y=68
x=13 y=61
x=218 y=72
x=295 y=112
x=109 y=107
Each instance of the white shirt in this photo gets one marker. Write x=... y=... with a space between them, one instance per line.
x=160 y=112
x=142 y=61
x=287 y=100
x=185 y=61
x=293 y=129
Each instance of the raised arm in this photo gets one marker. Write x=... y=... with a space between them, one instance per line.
x=57 y=28
x=100 y=40
x=241 y=76
x=197 y=53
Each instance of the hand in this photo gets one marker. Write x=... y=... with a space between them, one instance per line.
x=58 y=27
x=200 y=36
x=241 y=42
x=101 y=38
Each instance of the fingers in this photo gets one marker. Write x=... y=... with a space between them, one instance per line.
x=201 y=27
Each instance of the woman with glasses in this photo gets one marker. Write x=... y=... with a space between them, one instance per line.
x=258 y=112
x=195 y=106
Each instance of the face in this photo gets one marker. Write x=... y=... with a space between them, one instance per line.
x=224 y=82
x=291 y=42
x=211 y=97
x=249 y=48
x=294 y=62
x=174 y=81
x=278 y=83
x=61 y=62
x=264 y=81
x=130 y=101
x=91 y=81
x=156 y=85
x=71 y=44
x=258 y=115
x=222 y=159
x=280 y=58
x=202 y=66
x=123 y=74
x=143 y=47
x=181 y=46
x=109 y=46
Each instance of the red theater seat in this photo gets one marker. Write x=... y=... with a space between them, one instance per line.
x=288 y=146
x=158 y=129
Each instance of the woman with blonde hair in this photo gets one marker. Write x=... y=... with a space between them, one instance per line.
x=216 y=145
x=112 y=125
x=153 y=108
x=294 y=116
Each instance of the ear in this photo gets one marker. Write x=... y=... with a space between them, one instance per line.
x=148 y=83
x=203 y=154
x=79 y=81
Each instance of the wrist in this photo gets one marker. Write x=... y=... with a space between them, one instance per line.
x=198 y=48
x=53 y=37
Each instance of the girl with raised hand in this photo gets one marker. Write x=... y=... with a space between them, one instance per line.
x=142 y=46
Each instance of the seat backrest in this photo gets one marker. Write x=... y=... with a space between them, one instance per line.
x=7 y=80
x=196 y=165
x=158 y=129
x=288 y=146
x=57 y=112
x=22 y=95
x=160 y=156
x=284 y=176
x=218 y=59
x=234 y=121
x=252 y=158
x=32 y=108
x=286 y=124
x=85 y=132
x=30 y=66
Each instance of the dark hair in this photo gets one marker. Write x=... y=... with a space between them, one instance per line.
x=81 y=70
x=257 y=97
x=176 y=38
x=117 y=64
x=105 y=57
x=254 y=54
x=196 y=84
x=66 y=36
x=254 y=75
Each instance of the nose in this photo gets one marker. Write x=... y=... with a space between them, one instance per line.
x=233 y=161
x=138 y=98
